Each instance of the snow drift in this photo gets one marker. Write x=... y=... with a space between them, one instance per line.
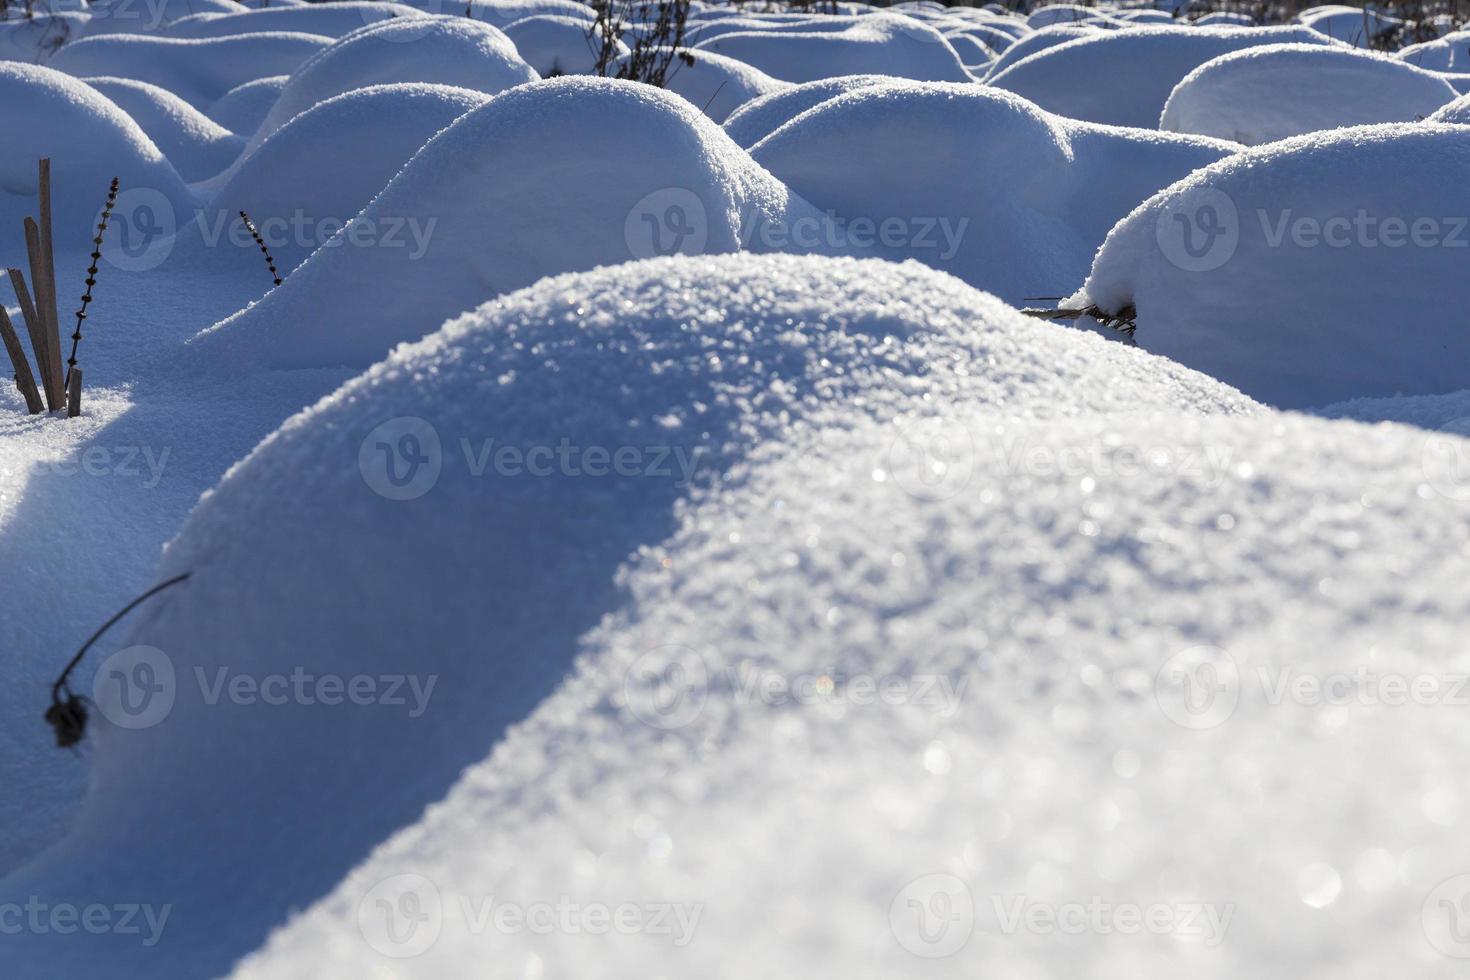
x=761 y=117
x=197 y=146
x=1309 y=271
x=883 y=44
x=1271 y=92
x=712 y=364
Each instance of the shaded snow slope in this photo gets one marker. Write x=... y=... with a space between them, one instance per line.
x=1271 y=92
x=718 y=85
x=717 y=363
x=633 y=172
x=1308 y=271
x=973 y=180
x=242 y=109
x=335 y=19
x=555 y=44
x=1125 y=77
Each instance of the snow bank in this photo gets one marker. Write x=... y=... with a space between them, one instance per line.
x=1268 y=93
x=881 y=44
x=342 y=152
x=1066 y=13
x=440 y=50
x=718 y=85
x=1084 y=677
x=546 y=178
x=152 y=17
x=761 y=117
x=45 y=113
x=1457 y=111
x=1125 y=77
x=334 y=20
x=197 y=71
x=196 y=145
x=1450 y=53
x=242 y=109
x=712 y=364
x=1038 y=41
x=973 y=180
x=1308 y=271
x=555 y=44
x=1354 y=25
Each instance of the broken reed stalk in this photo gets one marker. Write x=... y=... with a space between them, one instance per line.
x=48 y=257
x=24 y=380
x=74 y=393
x=51 y=380
x=35 y=328
x=269 y=262
x=76 y=338
x=1124 y=321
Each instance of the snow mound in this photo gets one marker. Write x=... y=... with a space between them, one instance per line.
x=1125 y=77
x=1066 y=13
x=1038 y=41
x=879 y=44
x=1450 y=53
x=333 y=20
x=761 y=117
x=152 y=17
x=441 y=50
x=1352 y=25
x=974 y=180
x=1082 y=683
x=718 y=85
x=1457 y=111
x=555 y=44
x=635 y=172
x=343 y=152
x=1314 y=270
x=242 y=109
x=704 y=363
x=198 y=71
x=1268 y=93
x=46 y=113
x=196 y=145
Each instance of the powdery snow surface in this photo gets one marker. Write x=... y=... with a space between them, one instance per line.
x=715 y=365
x=741 y=587
x=1264 y=94
x=1308 y=271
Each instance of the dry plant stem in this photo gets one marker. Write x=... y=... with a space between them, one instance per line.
x=76 y=337
x=34 y=327
x=48 y=257
x=74 y=393
x=51 y=381
x=1124 y=321
x=270 y=263
x=24 y=380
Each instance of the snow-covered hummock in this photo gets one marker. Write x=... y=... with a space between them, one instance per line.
x=1450 y=53
x=343 y=152
x=1055 y=623
x=1065 y=13
x=503 y=13
x=152 y=17
x=1317 y=269
x=1353 y=25
x=242 y=109
x=197 y=146
x=1125 y=77
x=552 y=177
x=1457 y=111
x=974 y=180
x=1037 y=41
x=334 y=20
x=45 y=113
x=197 y=70
x=440 y=50
x=761 y=117
x=881 y=43
x=555 y=44
x=722 y=367
x=1271 y=92
x=718 y=85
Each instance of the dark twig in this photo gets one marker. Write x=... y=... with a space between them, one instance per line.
x=269 y=262
x=1124 y=321
x=69 y=717
x=76 y=338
